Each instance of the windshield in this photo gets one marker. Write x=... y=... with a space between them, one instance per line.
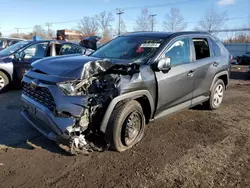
x=134 y=48
x=1 y=43
x=11 y=49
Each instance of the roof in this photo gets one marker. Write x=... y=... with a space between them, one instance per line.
x=10 y=38
x=163 y=34
x=50 y=40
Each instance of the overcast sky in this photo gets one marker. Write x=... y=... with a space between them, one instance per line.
x=27 y=13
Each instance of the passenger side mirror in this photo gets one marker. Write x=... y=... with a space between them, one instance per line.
x=164 y=64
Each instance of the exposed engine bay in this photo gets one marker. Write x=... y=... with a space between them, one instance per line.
x=100 y=84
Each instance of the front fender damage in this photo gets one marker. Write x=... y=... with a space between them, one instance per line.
x=100 y=83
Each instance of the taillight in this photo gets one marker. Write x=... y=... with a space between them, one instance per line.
x=230 y=57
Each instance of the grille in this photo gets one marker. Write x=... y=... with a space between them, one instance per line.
x=41 y=95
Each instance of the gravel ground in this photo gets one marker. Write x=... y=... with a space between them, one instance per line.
x=192 y=148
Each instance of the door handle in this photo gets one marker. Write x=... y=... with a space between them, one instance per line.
x=191 y=73
x=215 y=64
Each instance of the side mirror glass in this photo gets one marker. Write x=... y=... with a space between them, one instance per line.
x=164 y=64
x=17 y=56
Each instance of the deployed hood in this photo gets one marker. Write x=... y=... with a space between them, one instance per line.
x=79 y=67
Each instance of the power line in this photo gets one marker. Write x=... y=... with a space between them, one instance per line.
x=159 y=5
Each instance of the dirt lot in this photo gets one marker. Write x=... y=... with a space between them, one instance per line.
x=192 y=148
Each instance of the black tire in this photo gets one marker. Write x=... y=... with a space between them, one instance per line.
x=129 y=113
x=211 y=104
x=4 y=81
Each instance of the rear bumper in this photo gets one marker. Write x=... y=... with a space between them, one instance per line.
x=45 y=121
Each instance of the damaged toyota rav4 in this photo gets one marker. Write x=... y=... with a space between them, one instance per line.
x=114 y=92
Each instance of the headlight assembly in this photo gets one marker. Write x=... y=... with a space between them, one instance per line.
x=73 y=88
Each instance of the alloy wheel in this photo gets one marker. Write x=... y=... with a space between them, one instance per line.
x=2 y=82
x=218 y=95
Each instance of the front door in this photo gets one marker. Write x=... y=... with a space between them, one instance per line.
x=176 y=86
x=27 y=56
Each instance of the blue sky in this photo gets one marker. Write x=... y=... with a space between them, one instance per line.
x=27 y=13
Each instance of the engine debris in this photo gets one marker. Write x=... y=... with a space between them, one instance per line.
x=100 y=83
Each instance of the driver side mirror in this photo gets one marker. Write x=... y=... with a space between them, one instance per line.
x=164 y=64
x=19 y=56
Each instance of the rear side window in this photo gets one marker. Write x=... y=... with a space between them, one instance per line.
x=216 y=48
x=201 y=47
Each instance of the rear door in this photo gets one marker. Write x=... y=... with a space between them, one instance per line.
x=176 y=86
x=27 y=56
x=206 y=65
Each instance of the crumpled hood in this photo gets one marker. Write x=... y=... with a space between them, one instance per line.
x=78 y=66
x=68 y=66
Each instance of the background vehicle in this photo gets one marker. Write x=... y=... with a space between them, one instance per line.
x=148 y=75
x=5 y=42
x=245 y=59
x=16 y=59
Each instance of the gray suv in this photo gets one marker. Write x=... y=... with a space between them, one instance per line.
x=114 y=92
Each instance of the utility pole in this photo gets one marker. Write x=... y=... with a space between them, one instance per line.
x=152 y=20
x=48 y=25
x=119 y=12
x=17 y=30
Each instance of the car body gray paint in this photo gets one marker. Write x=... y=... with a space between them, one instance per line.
x=147 y=83
x=115 y=101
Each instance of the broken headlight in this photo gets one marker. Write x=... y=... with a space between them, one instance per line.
x=72 y=88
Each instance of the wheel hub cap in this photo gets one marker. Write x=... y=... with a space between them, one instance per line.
x=133 y=126
x=218 y=95
x=2 y=82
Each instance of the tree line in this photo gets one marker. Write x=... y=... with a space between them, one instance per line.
x=102 y=24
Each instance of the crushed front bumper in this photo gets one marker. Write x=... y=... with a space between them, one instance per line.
x=44 y=121
x=54 y=124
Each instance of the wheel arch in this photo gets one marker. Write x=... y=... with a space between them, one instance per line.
x=142 y=96
x=224 y=76
x=6 y=73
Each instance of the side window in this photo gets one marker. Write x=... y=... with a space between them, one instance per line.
x=216 y=48
x=36 y=51
x=201 y=48
x=71 y=49
x=179 y=52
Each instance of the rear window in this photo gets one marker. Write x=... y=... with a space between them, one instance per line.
x=201 y=48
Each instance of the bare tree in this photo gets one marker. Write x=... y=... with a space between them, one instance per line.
x=143 y=22
x=88 y=26
x=39 y=31
x=50 y=33
x=212 y=20
x=104 y=19
x=174 y=21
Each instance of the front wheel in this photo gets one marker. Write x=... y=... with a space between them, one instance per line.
x=216 y=95
x=126 y=126
x=4 y=81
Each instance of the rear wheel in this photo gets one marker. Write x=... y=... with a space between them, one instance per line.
x=4 y=81
x=126 y=126
x=216 y=95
